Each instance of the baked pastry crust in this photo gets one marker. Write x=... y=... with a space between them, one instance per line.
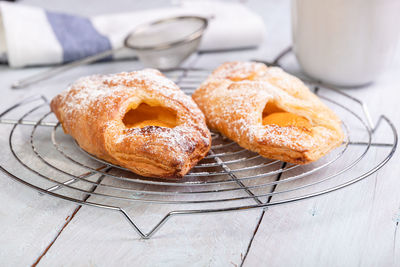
x=268 y=111
x=95 y=110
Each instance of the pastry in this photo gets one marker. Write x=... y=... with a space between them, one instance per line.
x=268 y=111
x=139 y=120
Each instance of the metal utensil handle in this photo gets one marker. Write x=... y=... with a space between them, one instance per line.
x=57 y=70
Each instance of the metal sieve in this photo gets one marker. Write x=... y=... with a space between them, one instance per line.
x=162 y=44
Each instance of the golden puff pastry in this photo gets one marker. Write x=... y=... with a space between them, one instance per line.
x=268 y=111
x=139 y=120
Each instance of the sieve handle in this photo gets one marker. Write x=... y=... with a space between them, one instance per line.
x=57 y=70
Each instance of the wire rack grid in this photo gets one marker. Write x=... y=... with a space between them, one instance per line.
x=229 y=178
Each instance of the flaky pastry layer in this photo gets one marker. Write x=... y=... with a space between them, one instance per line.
x=249 y=102
x=94 y=109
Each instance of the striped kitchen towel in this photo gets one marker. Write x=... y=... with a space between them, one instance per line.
x=34 y=36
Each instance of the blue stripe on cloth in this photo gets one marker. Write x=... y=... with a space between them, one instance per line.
x=77 y=36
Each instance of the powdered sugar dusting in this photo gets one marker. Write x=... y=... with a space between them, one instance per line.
x=177 y=142
x=239 y=92
x=238 y=71
x=96 y=104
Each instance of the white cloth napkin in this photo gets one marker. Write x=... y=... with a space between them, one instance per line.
x=34 y=36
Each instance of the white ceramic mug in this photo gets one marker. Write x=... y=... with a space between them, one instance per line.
x=345 y=42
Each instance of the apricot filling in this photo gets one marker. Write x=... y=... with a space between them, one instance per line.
x=274 y=115
x=238 y=78
x=285 y=119
x=146 y=115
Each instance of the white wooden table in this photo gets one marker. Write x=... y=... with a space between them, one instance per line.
x=356 y=226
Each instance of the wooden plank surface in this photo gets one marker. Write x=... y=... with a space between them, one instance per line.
x=355 y=226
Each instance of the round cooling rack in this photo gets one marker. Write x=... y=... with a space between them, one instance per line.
x=230 y=178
